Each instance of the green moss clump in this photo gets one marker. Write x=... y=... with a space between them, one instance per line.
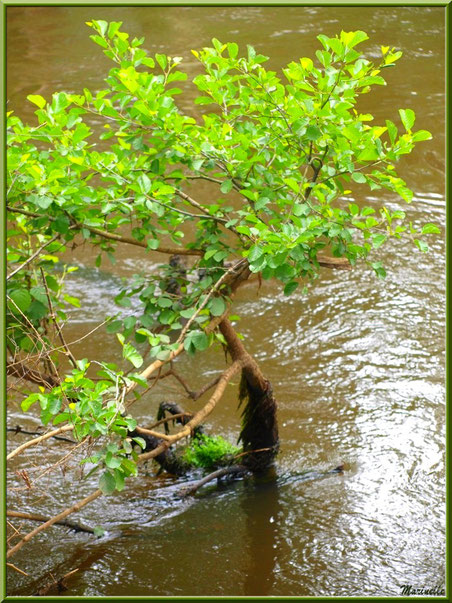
x=210 y=451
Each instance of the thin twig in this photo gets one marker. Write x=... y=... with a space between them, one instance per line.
x=232 y=269
x=237 y=456
x=199 y=417
x=32 y=257
x=179 y=415
x=55 y=322
x=204 y=389
x=38 y=336
x=19 y=370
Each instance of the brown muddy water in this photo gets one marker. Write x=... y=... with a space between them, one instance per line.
x=358 y=365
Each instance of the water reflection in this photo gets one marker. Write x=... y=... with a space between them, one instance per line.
x=262 y=510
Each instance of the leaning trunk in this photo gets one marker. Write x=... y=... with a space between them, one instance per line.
x=259 y=432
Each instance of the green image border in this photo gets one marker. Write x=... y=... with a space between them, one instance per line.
x=199 y=3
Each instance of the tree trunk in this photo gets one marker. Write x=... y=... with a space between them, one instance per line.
x=259 y=432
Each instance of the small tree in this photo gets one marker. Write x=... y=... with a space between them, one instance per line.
x=279 y=157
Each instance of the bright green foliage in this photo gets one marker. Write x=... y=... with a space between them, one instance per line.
x=207 y=452
x=281 y=154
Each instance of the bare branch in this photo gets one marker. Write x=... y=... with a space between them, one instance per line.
x=199 y=417
x=15 y=568
x=55 y=322
x=334 y=263
x=19 y=429
x=21 y=371
x=78 y=527
x=232 y=269
x=38 y=440
x=234 y=469
x=204 y=389
x=50 y=522
x=113 y=236
x=179 y=415
x=152 y=433
x=33 y=256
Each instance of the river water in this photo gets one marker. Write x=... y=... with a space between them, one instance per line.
x=358 y=365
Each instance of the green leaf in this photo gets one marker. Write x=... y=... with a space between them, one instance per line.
x=99 y=532
x=198 y=339
x=226 y=187
x=29 y=400
x=408 y=118
x=290 y=287
x=369 y=153
x=21 y=299
x=132 y=355
x=352 y=38
x=144 y=183
x=140 y=442
x=107 y=483
x=421 y=135
x=430 y=229
x=293 y=184
x=313 y=133
x=38 y=100
x=99 y=40
x=378 y=240
x=73 y=301
x=217 y=306
x=254 y=253
x=102 y=25
x=422 y=245
x=114 y=327
x=258 y=264
x=54 y=405
x=129 y=467
x=233 y=50
x=113 y=28
x=379 y=270
x=164 y=302
x=44 y=201
x=119 y=478
x=113 y=462
x=196 y=164
x=358 y=177
x=161 y=60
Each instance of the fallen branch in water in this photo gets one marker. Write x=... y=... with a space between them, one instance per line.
x=232 y=470
x=19 y=429
x=58 y=585
x=45 y=436
x=14 y=567
x=78 y=527
x=50 y=522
